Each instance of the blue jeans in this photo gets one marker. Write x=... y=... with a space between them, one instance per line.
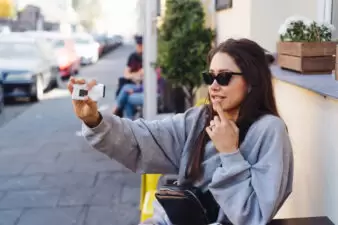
x=123 y=95
x=127 y=101
x=135 y=99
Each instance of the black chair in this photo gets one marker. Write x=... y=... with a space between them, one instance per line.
x=121 y=82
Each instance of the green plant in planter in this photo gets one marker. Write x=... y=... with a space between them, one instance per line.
x=183 y=45
x=301 y=29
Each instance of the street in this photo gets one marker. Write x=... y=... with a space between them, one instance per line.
x=50 y=175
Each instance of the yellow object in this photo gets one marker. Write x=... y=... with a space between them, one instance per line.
x=148 y=189
x=6 y=8
x=202 y=101
x=149 y=186
x=148 y=209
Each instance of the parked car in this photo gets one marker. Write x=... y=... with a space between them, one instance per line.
x=112 y=42
x=118 y=39
x=69 y=61
x=107 y=42
x=64 y=49
x=27 y=66
x=102 y=41
x=4 y=29
x=87 y=48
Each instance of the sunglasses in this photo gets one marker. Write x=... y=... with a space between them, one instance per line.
x=223 y=78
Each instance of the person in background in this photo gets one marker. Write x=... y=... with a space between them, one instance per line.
x=133 y=73
x=132 y=95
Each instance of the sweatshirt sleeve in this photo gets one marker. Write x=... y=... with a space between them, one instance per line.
x=253 y=193
x=142 y=146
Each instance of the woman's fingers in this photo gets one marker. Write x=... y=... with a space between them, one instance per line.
x=80 y=81
x=70 y=84
x=91 y=84
x=90 y=102
x=73 y=81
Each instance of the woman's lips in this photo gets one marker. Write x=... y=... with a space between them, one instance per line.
x=217 y=98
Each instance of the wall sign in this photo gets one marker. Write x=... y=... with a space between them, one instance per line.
x=158 y=7
x=223 y=4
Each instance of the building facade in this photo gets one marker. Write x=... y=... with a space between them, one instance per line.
x=47 y=15
x=311 y=116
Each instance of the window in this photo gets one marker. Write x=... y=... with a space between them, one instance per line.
x=59 y=44
x=334 y=20
x=158 y=7
x=18 y=50
x=223 y=4
x=82 y=41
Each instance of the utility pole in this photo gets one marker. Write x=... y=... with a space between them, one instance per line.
x=150 y=55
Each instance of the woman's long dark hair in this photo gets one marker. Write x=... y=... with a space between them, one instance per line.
x=254 y=64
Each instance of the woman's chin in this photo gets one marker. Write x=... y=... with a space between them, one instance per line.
x=217 y=101
x=230 y=113
x=223 y=105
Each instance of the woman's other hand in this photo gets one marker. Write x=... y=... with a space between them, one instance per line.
x=223 y=132
x=87 y=109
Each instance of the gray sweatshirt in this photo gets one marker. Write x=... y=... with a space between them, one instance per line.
x=250 y=185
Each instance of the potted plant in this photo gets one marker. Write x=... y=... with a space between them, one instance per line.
x=183 y=45
x=306 y=46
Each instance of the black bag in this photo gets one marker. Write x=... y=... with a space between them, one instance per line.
x=187 y=205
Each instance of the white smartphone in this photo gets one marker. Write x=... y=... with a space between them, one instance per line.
x=80 y=91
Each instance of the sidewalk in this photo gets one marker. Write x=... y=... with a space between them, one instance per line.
x=49 y=175
x=57 y=179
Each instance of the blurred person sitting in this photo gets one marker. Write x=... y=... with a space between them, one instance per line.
x=133 y=73
x=132 y=96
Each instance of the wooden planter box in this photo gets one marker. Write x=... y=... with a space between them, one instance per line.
x=307 y=57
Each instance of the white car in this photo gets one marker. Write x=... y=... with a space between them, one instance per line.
x=27 y=66
x=5 y=29
x=87 y=49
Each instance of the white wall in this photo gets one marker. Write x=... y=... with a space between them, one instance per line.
x=312 y=122
x=234 y=22
x=267 y=16
x=312 y=119
x=260 y=19
x=335 y=17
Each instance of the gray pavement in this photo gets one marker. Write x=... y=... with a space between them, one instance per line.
x=48 y=173
x=13 y=110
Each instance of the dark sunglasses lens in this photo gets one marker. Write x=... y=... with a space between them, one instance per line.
x=208 y=78
x=223 y=78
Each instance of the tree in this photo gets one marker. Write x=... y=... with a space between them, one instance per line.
x=88 y=11
x=183 y=45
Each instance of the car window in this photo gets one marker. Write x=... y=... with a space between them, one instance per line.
x=19 y=50
x=59 y=43
x=46 y=50
x=82 y=41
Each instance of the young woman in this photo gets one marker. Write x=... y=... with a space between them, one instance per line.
x=236 y=148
